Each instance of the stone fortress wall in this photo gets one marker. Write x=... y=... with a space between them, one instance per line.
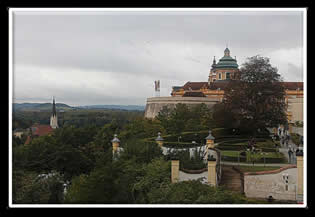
x=155 y=104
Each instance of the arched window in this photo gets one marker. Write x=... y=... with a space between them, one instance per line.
x=228 y=76
x=219 y=76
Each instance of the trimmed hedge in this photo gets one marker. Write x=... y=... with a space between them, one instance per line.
x=231 y=147
x=261 y=160
x=263 y=149
x=181 y=145
x=233 y=157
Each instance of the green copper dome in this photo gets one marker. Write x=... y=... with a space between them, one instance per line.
x=227 y=61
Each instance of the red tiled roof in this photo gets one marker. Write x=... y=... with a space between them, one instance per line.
x=222 y=85
x=41 y=130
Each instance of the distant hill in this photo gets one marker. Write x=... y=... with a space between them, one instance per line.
x=65 y=107
x=120 y=107
x=40 y=107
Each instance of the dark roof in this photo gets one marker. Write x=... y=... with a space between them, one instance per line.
x=222 y=84
x=193 y=94
x=293 y=85
x=175 y=88
x=195 y=85
x=219 y=84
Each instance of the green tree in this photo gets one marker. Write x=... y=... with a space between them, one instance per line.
x=201 y=118
x=105 y=135
x=164 y=118
x=193 y=192
x=140 y=128
x=184 y=118
x=223 y=117
x=257 y=99
x=142 y=152
x=98 y=187
x=29 y=187
x=156 y=174
x=51 y=152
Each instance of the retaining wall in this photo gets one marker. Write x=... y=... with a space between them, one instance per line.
x=271 y=183
x=155 y=104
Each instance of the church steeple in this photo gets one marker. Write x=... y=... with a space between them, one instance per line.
x=54 y=108
x=214 y=62
x=53 y=117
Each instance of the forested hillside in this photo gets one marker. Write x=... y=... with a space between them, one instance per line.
x=79 y=155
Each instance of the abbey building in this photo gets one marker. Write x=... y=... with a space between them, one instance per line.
x=212 y=91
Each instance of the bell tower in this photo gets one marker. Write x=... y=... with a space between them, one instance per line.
x=53 y=117
x=211 y=77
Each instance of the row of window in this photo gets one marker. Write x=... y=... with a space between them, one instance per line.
x=227 y=76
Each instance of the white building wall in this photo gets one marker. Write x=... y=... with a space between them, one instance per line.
x=263 y=186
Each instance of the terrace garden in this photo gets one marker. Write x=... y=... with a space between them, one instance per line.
x=233 y=146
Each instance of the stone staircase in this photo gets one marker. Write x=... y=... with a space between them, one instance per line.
x=231 y=179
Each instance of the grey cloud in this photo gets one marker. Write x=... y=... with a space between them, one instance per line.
x=166 y=47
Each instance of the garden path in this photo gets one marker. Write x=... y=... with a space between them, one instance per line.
x=231 y=179
x=285 y=148
x=185 y=176
x=256 y=164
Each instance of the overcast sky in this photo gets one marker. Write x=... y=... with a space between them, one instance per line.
x=86 y=58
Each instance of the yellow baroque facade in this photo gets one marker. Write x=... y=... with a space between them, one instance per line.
x=227 y=69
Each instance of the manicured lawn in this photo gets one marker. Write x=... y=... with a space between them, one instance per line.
x=235 y=154
x=256 y=168
x=230 y=153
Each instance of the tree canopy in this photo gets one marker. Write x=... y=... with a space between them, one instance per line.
x=257 y=100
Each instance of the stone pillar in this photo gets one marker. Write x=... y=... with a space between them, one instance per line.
x=299 y=162
x=175 y=170
x=275 y=131
x=210 y=140
x=212 y=175
x=115 y=144
x=159 y=140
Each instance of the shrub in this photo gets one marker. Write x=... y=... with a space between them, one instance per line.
x=221 y=132
x=296 y=138
x=272 y=157
x=194 y=192
x=231 y=147
x=195 y=162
